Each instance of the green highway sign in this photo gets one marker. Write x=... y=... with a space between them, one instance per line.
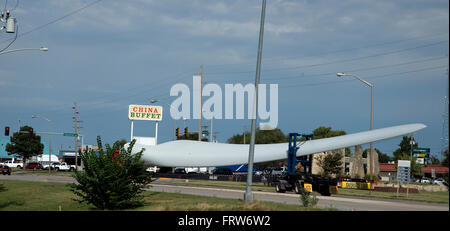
x=71 y=134
x=421 y=150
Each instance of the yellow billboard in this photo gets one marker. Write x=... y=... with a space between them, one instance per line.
x=355 y=185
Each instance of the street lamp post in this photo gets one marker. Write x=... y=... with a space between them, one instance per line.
x=371 y=159
x=49 y=142
x=24 y=49
x=248 y=195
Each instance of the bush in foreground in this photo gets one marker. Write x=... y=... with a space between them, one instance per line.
x=306 y=199
x=112 y=179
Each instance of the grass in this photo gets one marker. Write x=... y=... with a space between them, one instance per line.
x=40 y=172
x=423 y=196
x=46 y=196
x=222 y=184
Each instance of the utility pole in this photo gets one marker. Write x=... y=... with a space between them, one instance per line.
x=201 y=110
x=77 y=127
x=245 y=130
x=248 y=196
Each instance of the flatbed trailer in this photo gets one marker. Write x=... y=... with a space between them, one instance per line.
x=297 y=181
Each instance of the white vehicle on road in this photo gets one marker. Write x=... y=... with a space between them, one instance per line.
x=14 y=164
x=63 y=166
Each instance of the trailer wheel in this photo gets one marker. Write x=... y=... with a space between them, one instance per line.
x=297 y=188
x=278 y=188
x=325 y=190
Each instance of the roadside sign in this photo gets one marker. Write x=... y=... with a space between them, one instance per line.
x=422 y=155
x=420 y=160
x=71 y=134
x=421 y=150
x=403 y=170
x=144 y=112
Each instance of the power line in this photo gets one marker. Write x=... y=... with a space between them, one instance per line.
x=57 y=19
x=360 y=69
x=335 y=51
x=335 y=62
x=370 y=77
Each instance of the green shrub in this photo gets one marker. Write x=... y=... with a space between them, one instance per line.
x=306 y=199
x=112 y=179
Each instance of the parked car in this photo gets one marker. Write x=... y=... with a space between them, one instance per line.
x=258 y=173
x=222 y=171
x=180 y=171
x=33 y=165
x=438 y=181
x=14 y=164
x=5 y=169
x=63 y=166
x=425 y=180
x=279 y=171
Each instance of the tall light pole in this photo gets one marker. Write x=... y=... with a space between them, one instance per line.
x=371 y=159
x=248 y=196
x=49 y=142
x=174 y=121
x=24 y=49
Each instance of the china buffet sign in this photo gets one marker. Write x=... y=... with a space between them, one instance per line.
x=143 y=112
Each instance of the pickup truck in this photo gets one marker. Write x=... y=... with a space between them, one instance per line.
x=13 y=164
x=63 y=166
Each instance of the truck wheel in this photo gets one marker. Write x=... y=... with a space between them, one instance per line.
x=278 y=188
x=325 y=190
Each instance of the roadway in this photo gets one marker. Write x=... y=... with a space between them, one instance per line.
x=335 y=201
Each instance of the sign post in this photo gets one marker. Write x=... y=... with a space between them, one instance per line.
x=403 y=172
x=145 y=112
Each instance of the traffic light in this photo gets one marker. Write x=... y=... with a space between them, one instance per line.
x=30 y=131
x=186 y=132
x=177 y=132
x=6 y=131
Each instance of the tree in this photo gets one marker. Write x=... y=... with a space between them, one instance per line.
x=120 y=142
x=326 y=132
x=25 y=144
x=191 y=136
x=330 y=164
x=261 y=137
x=435 y=160
x=416 y=169
x=405 y=148
x=445 y=160
x=382 y=157
x=112 y=179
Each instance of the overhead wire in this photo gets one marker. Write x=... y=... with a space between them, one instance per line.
x=335 y=51
x=368 y=77
x=56 y=20
x=334 y=62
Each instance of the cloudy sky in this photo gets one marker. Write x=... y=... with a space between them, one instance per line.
x=105 y=55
